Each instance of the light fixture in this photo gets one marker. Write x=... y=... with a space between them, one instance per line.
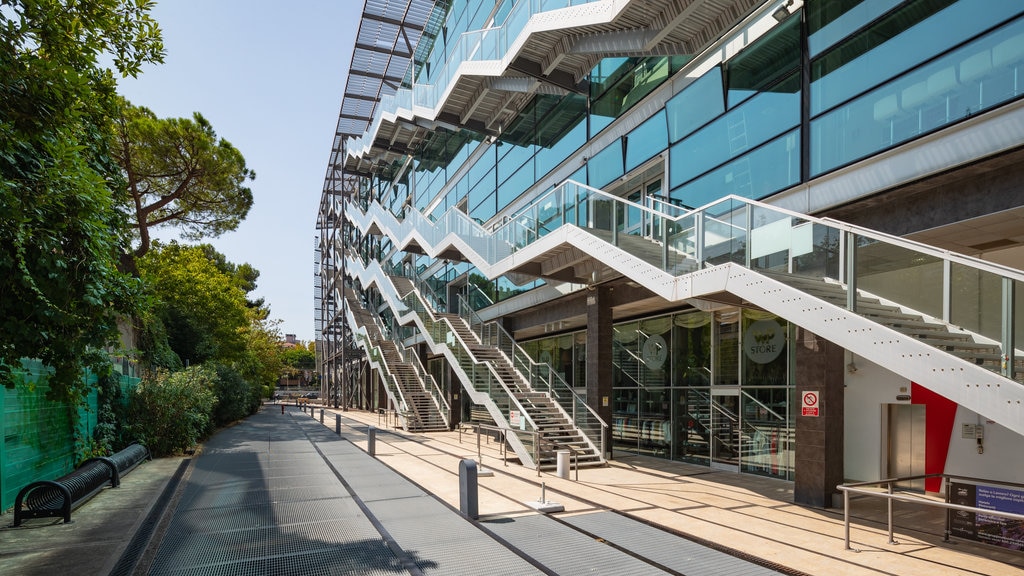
x=782 y=12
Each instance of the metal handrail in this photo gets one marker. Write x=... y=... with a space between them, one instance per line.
x=534 y=367
x=890 y=496
x=417 y=306
x=504 y=436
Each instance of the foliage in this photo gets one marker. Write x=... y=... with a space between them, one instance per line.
x=60 y=287
x=178 y=173
x=202 y=309
x=299 y=357
x=261 y=362
x=170 y=413
x=236 y=398
x=109 y=434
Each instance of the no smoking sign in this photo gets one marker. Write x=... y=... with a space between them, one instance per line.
x=809 y=404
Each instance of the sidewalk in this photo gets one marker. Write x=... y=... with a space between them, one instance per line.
x=283 y=494
x=751 y=515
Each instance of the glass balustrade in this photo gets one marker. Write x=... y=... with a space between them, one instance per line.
x=898 y=282
x=489 y=44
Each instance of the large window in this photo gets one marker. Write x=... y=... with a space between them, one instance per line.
x=696 y=105
x=977 y=76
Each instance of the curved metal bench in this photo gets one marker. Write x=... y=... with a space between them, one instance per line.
x=56 y=498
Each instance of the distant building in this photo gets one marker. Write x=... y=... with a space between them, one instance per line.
x=780 y=238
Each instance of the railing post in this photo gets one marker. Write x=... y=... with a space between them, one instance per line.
x=851 y=272
x=846 y=516
x=889 y=514
x=949 y=511
x=1008 y=328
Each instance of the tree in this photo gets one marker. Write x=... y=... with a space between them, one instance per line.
x=178 y=173
x=202 y=309
x=61 y=291
x=261 y=363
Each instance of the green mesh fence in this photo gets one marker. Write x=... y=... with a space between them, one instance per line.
x=38 y=441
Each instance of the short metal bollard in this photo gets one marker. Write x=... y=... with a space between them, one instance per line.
x=282 y=408
x=337 y=424
x=321 y=415
x=371 y=440
x=469 y=503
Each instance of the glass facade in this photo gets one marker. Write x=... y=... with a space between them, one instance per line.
x=695 y=387
x=717 y=388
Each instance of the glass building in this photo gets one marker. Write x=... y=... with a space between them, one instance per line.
x=781 y=238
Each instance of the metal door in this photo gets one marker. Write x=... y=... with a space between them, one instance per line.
x=905 y=438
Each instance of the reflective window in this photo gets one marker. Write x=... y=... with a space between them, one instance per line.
x=903 y=39
x=770 y=168
x=761 y=64
x=516 y=184
x=562 y=148
x=975 y=77
x=646 y=140
x=830 y=22
x=487 y=206
x=763 y=117
x=606 y=165
x=696 y=105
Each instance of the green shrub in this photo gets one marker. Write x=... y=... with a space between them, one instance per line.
x=236 y=398
x=172 y=412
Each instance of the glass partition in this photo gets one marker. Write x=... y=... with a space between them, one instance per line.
x=899 y=274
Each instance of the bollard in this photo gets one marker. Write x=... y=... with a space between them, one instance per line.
x=468 y=497
x=321 y=415
x=371 y=439
x=562 y=464
x=337 y=424
x=282 y=408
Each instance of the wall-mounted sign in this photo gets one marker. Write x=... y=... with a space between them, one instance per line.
x=655 y=351
x=763 y=341
x=809 y=404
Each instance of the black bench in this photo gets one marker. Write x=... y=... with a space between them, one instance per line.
x=56 y=498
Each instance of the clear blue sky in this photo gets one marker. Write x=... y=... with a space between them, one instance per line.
x=269 y=76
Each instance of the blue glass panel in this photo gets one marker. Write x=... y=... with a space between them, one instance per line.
x=486 y=209
x=858 y=15
x=917 y=44
x=696 y=105
x=481 y=190
x=758 y=66
x=759 y=119
x=598 y=123
x=975 y=77
x=606 y=165
x=511 y=158
x=646 y=140
x=548 y=158
x=516 y=184
x=770 y=168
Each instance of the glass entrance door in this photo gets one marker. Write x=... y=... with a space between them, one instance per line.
x=634 y=221
x=725 y=430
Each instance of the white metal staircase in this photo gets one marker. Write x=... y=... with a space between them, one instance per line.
x=487 y=374
x=712 y=252
x=418 y=400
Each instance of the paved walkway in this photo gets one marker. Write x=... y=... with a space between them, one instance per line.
x=281 y=493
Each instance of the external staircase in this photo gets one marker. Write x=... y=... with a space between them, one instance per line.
x=487 y=380
x=419 y=404
x=728 y=251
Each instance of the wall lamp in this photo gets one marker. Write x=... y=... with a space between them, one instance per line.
x=782 y=12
